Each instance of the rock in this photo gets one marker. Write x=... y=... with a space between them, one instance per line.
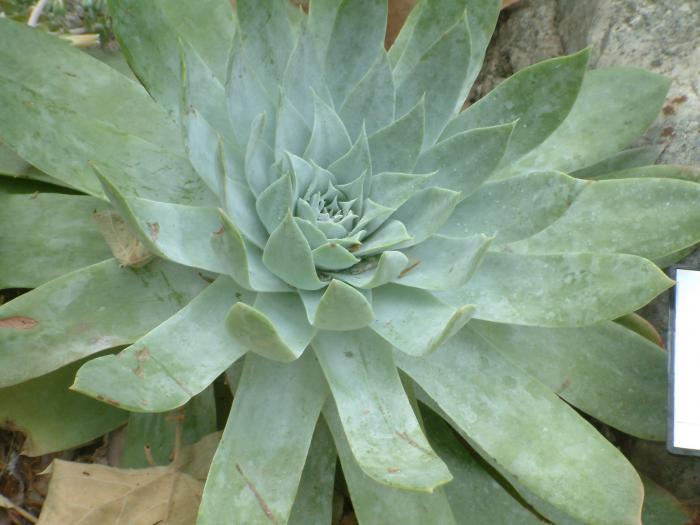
x=659 y=35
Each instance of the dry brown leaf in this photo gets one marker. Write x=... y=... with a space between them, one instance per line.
x=125 y=245
x=90 y=494
x=18 y=323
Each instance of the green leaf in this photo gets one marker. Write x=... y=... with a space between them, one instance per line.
x=389 y=235
x=464 y=161
x=572 y=289
x=371 y=102
x=651 y=218
x=338 y=307
x=514 y=208
x=414 y=321
x=11 y=163
x=630 y=158
x=47 y=235
x=614 y=108
x=375 y=272
x=165 y=368
x=396 y=147
x=430 y=19
x=257 y=468
x=380 y=426
x=661 y=507
x=150 y=34
x=393 y=189
x=440 y=77
x=266 y=38
x=354 y=163
x=332 y=256
x=52 y=417
x=476 y=495
x=378 y=504
x=314 y=499
x=660 y=171
x=292 y=134
x=329 y=138
x=259 y=156
x=102 y=306
x=524 y=428
x=425 y=212
x=288 y=255
x=205 y=150
x=538 y=97
x=354 y=44
x=443 y=263
x=158 y=433
x=275 y=202
x=275 y=327
x=606 y=370
x=61 y=97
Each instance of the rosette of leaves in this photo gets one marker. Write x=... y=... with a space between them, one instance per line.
x=423 y=292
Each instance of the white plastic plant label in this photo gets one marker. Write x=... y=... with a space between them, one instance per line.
x=684 y=370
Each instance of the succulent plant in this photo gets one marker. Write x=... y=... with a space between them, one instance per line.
x=424 y=292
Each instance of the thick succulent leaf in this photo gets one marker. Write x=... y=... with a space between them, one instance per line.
x=47 y=235
x=150 y=33
x=247 y=97
x=158 y=433
x=355 y=43
x=61 y=97
x=304 y=76
x=641 y=326
x=173 y=362
x=476 y=495
x=354 y=163
x=292 y=134
x=396 y=147
x=661 y=507
x=425 y=212
x=514 y=208
x=371 y=102
x=614 y=107
x=624 y=216
x=257 y=468
x=196 y=236
x=314 y=499
x=538 y=97
x=414 y=321
x=102 y=306
x=332 y=256
x=274 y=327
x=275 y=202
x=660 y=171
x=390 y=235
x=523 y=427
x=338 y=307
x=205 y=149
x=606 y=370
x=380 y=426
x=375 y=503
x=52 y=417
x=259 y=156
x=393 y=189
x=288 y=255
x=440 y=77
x=443 y=263
x=387 y=267
x=464 y=161
x=572 y=289
x=267 y=39
x=430 y=19
x=630 y=158
x=329 y=138
x=11 y=163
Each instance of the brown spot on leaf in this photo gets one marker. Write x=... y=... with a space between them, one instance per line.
x=18 y=323
x=392 y=470
x=355 y=247
x=220 y=230
x=142 y=355
x=566 y=384
x=668 y=110
x=138 y=371
x=349 y=355
x=153 y=229
x=667 y=132
x=408 y=269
